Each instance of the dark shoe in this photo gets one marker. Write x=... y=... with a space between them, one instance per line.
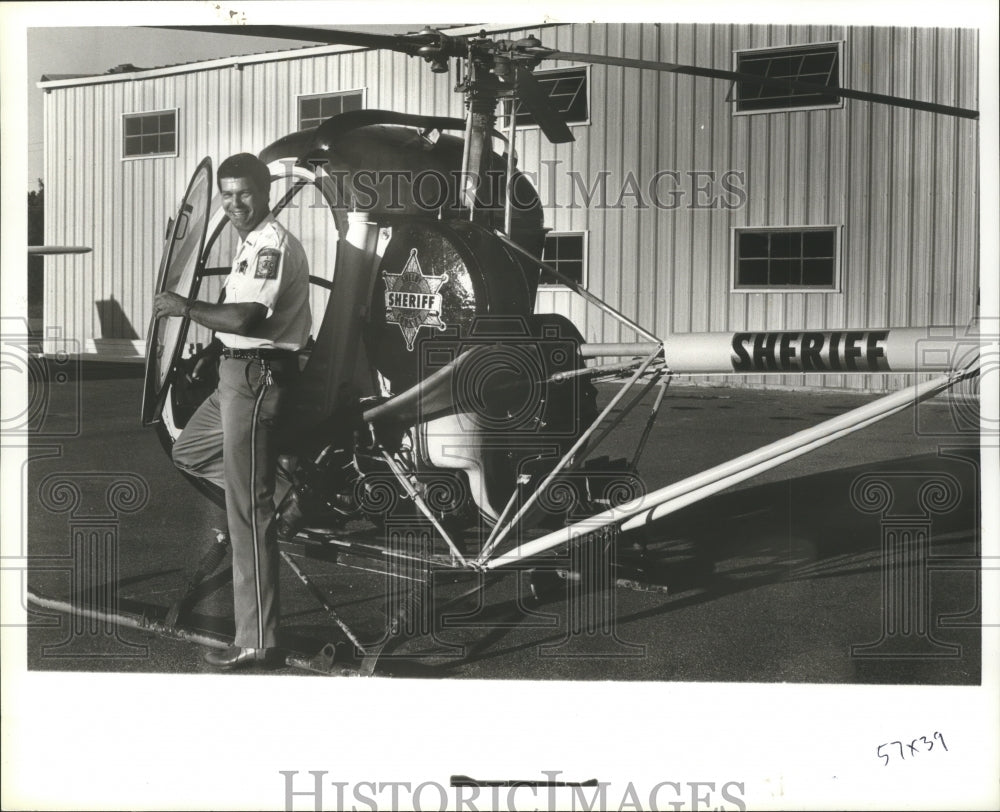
x=235 y=657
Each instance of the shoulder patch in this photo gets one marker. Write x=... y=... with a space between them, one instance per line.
x=268 y=260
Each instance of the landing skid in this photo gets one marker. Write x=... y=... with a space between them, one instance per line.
x=410 y=569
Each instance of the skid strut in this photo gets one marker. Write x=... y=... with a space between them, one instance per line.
x=397 y=627
x=208 y=564
x=318 y=594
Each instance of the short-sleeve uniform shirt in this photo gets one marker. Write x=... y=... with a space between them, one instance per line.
x=270 y=268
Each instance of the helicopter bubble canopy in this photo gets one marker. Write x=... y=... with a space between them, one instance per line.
x=178 y=274
x=438 y=276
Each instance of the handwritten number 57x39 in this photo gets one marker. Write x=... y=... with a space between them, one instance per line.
x=920 y=745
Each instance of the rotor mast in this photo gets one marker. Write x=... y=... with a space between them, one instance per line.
x=493 y=69
x=482 y=89
x=482 y=93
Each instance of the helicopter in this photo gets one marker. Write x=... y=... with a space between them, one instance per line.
x=432 y=393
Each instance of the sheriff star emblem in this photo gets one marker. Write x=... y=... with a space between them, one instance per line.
x=412 y=300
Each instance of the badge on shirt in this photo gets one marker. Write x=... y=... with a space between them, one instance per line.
x=267 y=264
x=242 y=267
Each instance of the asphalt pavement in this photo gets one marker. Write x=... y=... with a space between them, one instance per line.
x=809 y=573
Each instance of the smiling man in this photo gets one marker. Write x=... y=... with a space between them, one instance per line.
x=262 y=323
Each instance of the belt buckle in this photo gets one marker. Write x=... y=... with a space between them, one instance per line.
x=259 y=354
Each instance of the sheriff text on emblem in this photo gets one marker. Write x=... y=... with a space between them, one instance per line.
x=412 y=300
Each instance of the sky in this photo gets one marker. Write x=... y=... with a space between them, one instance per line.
x=82 y=50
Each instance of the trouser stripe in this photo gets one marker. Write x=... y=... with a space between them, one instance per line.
x=253 y=513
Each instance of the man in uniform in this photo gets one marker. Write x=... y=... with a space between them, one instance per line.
x=262 y=322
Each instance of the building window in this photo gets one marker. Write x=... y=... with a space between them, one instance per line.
x=149 y=134
x=567 y=91
x=783 y=258
x=567 y=253
x=314 y=110
x=815 y=64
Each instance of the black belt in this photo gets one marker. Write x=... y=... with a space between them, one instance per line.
x=263 y=354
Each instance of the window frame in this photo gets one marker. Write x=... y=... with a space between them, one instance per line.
x=147 y=156
x=300 y=97
x=839 y=104
x=838 y=241
x=584 y=236
x=504 y=117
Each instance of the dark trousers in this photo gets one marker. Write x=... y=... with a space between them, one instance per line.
x=231 y=441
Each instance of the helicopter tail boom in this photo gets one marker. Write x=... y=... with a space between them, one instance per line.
x=653 y=506
x=871 y=351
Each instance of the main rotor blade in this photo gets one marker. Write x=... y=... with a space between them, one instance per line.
x=536 y=100
x=786 y=84
x=405 y=43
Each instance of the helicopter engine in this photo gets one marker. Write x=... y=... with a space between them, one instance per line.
x=452 y=328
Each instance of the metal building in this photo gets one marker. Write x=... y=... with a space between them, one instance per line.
x=687 y=203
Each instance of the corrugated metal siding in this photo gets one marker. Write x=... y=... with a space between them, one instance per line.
x=902 y=184
x=909 y=223
x=121 y=207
